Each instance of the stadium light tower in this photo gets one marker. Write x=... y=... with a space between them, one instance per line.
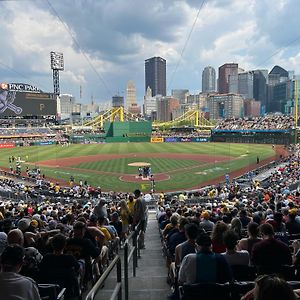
x=57 y=64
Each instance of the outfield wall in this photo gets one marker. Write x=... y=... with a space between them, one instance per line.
x=155 y=139
x=281 y=137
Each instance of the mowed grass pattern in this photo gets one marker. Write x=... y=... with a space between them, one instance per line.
x=241 y=155
x=158 y=165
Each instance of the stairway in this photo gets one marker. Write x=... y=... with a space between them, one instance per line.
x=150 y=282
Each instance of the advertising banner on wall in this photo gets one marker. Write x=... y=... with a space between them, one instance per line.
x=200 y=139
x=171 y=139
x=185 y=140
x=157 y=140
x=44 y=143
x=10 y=145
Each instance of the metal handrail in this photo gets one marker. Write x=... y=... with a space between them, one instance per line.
x=117 y=293
x=128 y=256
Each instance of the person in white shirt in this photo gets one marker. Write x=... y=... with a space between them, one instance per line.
x=233 y=256
x=14 y=286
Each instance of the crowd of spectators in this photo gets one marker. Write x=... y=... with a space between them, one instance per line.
x=268 y=122
x=232 y=233
x=69 y=244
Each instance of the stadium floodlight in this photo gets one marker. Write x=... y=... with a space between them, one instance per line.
x=57 y=61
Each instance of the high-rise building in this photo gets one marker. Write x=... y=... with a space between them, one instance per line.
x=233 y=83
x=245 y=85
x=224 y=72
x=150 y=106
x=155 y=75
x=166 y=107
x=260 y=78
x=276 y=76
x=67 y=103
x=225 y=106
x=208 y=80
x=130 y=94
x=181 y=95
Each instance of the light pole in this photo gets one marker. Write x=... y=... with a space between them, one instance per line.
x=57 y=64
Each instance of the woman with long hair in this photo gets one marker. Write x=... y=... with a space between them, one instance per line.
x=253 y=238
x=124 y=216
x=217 y=235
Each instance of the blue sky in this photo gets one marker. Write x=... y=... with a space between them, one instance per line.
x=116 y=36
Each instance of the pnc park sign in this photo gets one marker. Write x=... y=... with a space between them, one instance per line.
x=20 y=87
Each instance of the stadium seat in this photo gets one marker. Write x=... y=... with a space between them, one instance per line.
x=51 y=292
x=285 y=271
x=238 y=289
x=205 y=291
x=243 y=273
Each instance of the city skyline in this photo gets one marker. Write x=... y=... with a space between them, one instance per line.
x=116 y=37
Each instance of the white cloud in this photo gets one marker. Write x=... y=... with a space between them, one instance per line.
x=117 y=36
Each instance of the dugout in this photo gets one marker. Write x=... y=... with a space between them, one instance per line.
x=282 y=137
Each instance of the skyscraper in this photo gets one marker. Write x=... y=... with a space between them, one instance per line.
x=155 y=75
x=130 y=94
x=208 y=80
x=245 y=85
x=260 y=78
x=224 y=72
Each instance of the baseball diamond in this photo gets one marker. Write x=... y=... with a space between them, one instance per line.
x=175 y=166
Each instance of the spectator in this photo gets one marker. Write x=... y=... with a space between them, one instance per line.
x=60 y=268
x=217 y=237
x=205 y=265
x=269 y=254
x=206 y=224
x=233 y=256
x=248 y=243
x=100 y=209
x=292 y=226
x=12 y=284
x=270 y=288
x=236 y=226
x=139 y=216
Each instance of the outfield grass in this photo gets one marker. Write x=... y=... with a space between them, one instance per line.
x=196 y=172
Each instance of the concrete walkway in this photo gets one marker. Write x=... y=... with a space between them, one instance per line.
x=150 y=282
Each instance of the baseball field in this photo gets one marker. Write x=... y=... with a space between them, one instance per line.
x=175 y=166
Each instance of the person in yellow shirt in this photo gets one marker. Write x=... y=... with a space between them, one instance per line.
x=130 y=205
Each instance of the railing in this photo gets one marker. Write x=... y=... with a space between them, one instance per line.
x=117 y=293
x=131 y=252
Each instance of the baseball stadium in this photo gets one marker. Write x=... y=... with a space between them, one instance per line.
x=94 y=193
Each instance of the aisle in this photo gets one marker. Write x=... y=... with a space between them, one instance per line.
x=150 y=282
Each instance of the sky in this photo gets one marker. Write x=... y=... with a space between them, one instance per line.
x=105 y=42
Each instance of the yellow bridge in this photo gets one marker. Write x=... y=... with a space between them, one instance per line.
x=192 y=117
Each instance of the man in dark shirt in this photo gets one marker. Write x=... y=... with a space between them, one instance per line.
x=60 y=268
x=292 y=226
x=177 y=238
x=80 y=247
x=269 y=254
